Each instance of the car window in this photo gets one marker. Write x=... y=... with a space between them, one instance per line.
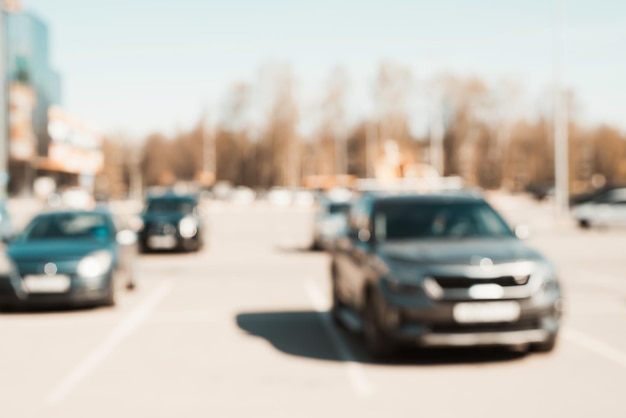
x=170 y=206
x=618 y=196
x=425 y=220
x=359 y=217
x=338 y=208
x=69 y=226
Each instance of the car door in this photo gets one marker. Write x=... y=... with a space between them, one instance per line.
x=356 y=258
x=343 y=257
x=616 y=214
x=599 y=212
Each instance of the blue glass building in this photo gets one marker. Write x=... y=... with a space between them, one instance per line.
x=28 y=62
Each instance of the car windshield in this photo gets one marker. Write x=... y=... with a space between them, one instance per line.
x=170 y=206
x=91 y=226
x=339 y=208
x=441 y=220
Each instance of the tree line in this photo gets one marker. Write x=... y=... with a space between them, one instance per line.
x=257 y=137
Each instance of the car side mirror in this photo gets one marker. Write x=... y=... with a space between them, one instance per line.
x=364 y=235
x=7 y=239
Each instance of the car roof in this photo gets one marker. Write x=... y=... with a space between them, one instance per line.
x=464 y=196
x=172 y=196
x=56 y=212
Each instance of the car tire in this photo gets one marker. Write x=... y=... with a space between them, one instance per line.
x=315 y=246
x=8 y=308
x=110 y=299
x=336 y=306
x=547 y=346
x=377 y=343
x=584 y=224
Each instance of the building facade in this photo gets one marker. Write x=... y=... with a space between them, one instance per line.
x=44 y=139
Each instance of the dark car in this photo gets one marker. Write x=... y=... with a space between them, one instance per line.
x=68 y=258
x=171 y=222
x=441 y=270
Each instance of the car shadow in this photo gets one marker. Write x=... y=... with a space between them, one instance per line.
x=297 y=250
x=311 y=334
x=47 y=309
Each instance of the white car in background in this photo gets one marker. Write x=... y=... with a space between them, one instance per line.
x=331 y=220
x=280 y=196
x=77 y=198
x=605 y=209
x=242 y=196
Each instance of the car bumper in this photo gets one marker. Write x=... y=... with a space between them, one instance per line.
x=168 y=243
x=532 y=336
x=430 y=323
x=13 y=294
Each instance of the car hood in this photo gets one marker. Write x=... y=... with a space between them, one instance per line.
x=54 y=249
x=462 y=252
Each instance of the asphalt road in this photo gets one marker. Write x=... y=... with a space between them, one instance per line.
x=241 y=330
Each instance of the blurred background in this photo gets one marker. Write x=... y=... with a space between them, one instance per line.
x=221 y=147
x=116 y=99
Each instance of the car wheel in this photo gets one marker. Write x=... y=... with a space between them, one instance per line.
x=377 y=343
x=315 y=245
x=110 y=299
x=336 y=306
x=546 y=346
x=8 y=307
x=584 y=224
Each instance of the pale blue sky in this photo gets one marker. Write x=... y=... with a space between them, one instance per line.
x=143 y=65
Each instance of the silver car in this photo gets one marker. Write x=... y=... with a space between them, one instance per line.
x=605 y=209
x=331 y=221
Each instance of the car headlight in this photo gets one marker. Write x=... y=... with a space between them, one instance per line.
x=188 y=227
x=412 y=284
x=543 y=279
x=95 y=264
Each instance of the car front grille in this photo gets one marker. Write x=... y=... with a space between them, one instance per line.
x=162 y=228
x=459 y=282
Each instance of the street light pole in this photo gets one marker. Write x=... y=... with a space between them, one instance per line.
x=209 y=152
x=561 y=151
x=370 y=144
x=436 y=139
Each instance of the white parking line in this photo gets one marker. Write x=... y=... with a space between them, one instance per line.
x=359 y=382
x=100 y=353
x=596 y=346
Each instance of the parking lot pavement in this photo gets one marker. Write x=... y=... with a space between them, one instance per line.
x=242 y=329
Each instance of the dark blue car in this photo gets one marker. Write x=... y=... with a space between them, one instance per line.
x=171 y=222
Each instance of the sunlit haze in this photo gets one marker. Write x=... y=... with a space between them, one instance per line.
x=141 y=66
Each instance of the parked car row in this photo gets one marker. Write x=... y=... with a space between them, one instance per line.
x=84 y=257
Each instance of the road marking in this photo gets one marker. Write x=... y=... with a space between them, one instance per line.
x=596 y=346
x=359 y=382
x=96 y=357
